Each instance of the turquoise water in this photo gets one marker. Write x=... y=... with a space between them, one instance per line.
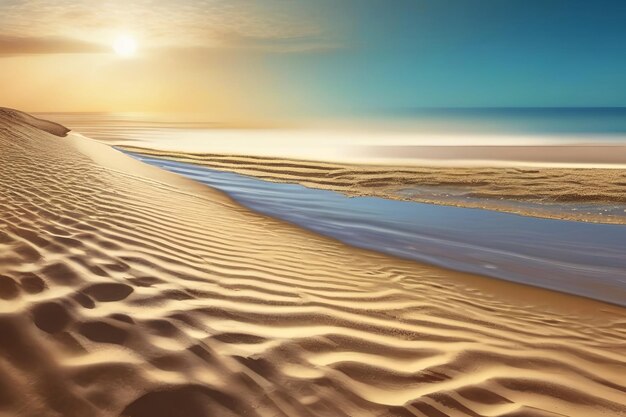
x=581 y=122
x=578 y=123
x=578 y=258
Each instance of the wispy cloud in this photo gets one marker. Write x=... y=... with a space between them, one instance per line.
x=17 y=45
x=279 y=44
x=267 y=25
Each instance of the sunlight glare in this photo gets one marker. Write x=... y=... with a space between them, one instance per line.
x=125 y=46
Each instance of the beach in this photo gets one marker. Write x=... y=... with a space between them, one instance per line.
x=130 y=291
x=573 y=169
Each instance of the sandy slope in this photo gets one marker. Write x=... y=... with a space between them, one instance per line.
x=125 y=290
x=25 y=118
x=548 y=190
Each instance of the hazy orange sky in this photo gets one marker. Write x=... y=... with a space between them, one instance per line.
x=192 y=56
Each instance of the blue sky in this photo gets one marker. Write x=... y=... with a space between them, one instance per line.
x=432 y=53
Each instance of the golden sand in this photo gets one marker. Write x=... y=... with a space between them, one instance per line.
x=129 y=291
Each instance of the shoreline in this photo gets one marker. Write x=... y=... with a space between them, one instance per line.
x=426 y=238
x=552 y=193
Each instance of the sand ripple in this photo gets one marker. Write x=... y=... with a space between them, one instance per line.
x=127 y=291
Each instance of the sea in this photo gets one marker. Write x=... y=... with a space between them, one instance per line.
x=585 y=137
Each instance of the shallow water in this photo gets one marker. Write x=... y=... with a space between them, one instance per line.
x=579 y=258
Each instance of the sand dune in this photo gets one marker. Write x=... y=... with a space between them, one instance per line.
x=537 y=191
x=25 y=118
x=129 y=291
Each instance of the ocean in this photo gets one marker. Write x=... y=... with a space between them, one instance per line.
x=493 y=136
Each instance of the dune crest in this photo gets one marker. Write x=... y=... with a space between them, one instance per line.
x=129 y=291
x=16 y=116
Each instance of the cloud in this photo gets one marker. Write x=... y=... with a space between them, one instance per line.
x=270 y=25
x=277 y=43
x=18 y=45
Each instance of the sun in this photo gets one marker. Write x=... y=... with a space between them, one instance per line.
x=125 y=46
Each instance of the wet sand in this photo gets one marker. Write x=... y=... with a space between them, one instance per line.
x=581 y=194
x=129 y=291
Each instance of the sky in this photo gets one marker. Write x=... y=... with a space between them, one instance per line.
x=251 y=60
